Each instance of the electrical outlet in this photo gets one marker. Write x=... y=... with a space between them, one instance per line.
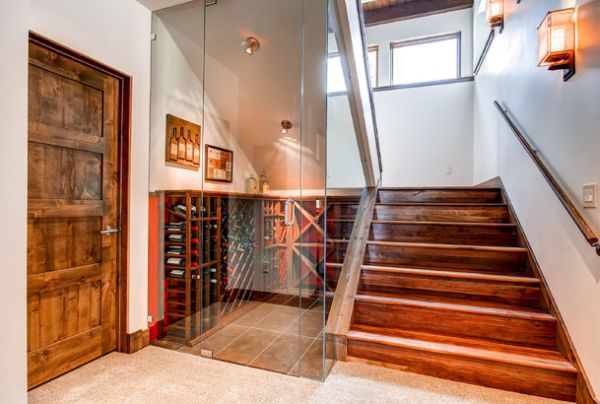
x=150 y=319
x=589 y=195
x=447 y=170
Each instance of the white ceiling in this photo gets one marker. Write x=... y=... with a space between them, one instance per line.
x=154 y=5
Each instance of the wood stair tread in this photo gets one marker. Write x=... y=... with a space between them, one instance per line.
x=441 y=223
x=490 y=277
x=448 y=246
x=455 y=304
x=465 y=347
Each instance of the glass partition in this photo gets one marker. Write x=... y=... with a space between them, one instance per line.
x=238 y=149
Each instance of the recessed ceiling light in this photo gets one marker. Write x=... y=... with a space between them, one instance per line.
x=251 y=45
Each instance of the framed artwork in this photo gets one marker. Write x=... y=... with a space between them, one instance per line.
x=184 y=139
x=219 y=164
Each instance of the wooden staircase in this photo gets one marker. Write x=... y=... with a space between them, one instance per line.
x=449 y=289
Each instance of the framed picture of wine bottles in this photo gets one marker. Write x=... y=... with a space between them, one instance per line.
x=183 y=142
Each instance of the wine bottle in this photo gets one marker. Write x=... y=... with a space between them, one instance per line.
x=176 y=261
x=189 y=147
x=197 y=149
x=181 y=148
x=173 y=146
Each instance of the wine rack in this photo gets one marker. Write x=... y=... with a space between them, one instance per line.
x=239 y=252
x=274 y=251
x=192 y=262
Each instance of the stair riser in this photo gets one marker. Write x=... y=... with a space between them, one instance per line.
x=514 y=293
x=534 y=333
x=444 y=234
x=440 y=258
x=474 y=214
x=336 y=252
x=333 y=275
x=439 y=196
x=540 y=382
x=340 y=230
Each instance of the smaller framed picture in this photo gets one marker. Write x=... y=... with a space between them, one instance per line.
x=219 y=164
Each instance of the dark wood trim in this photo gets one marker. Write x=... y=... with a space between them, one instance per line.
x=428 y=39
x=561 y=194
x=425 y=84
x=136 y=341
x=484 y=52
x=413 y=9
x=564 y=343
x=125 y=97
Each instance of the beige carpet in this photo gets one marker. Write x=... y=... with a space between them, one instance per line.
x=158 y=376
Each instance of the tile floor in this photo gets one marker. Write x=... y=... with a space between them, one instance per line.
x=278 y=336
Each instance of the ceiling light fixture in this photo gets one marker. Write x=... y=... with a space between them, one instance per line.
x=251 y=45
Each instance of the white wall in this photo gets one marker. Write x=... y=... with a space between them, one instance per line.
x=562 y=120
x=177 y=75
x=117 y=33
x=13 y=204
x=343 y=163
x=426 y=135
x=437 y=24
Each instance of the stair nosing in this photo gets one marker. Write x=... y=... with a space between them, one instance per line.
x=448 y=246
x=464 y=308
x=465 y=351
x=454 y=274
x=451 y=204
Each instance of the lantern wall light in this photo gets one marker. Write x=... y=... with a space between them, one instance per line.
x=494 y=14
x=556 y=42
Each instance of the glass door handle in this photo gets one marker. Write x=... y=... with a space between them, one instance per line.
x=289 y=221
x=109 y=230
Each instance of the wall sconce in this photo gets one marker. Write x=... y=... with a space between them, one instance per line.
x=286 y=126
x=556 y=42
x=494 y=14
x=251 y=45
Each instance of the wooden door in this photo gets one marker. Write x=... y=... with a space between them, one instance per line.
x=73 y=193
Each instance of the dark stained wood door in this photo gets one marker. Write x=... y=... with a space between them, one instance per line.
x=73 y=193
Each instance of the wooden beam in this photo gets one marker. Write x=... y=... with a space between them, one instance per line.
x=413 y=9
x=342 y=307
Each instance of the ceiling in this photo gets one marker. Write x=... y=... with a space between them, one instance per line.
x=385 y=11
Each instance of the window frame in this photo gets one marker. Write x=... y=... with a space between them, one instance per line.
x=375 y=48
x=428 y=39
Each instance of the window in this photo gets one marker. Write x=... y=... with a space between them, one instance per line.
x=373 y=65
x=335 y=74
x=428 y=59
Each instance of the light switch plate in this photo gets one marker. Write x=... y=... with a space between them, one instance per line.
x=589 y=195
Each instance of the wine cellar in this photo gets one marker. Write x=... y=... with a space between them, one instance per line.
x=222 y=252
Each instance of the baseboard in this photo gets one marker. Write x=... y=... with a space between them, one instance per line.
x=584 y=391
x=137 y=341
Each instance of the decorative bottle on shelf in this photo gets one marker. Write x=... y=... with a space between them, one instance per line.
x=173 y=146
x=181 y=146
x=197 y=149
x=251 y=184
x=264 y=183
x=189 y=147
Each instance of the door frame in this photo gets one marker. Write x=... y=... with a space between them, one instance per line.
x=125 y=85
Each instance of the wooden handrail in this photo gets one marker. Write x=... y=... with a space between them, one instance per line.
x=584 y=227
